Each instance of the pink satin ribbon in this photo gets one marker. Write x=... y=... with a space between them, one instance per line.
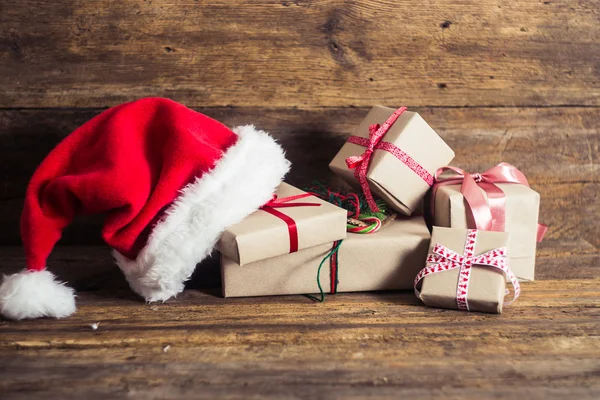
x=360 y=163
x=444 y=259
x=284 y=202
x=488 y=215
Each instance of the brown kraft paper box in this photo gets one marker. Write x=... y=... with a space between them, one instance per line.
x=389 y=178
x=262 y=235
x=521 y=221
x=487 y=285
x=389 y=259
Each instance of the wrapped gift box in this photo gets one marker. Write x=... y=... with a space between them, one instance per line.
x=386 y=260
x=263 y=235
x=520 y=219
x=486 y=286
x=395 y=180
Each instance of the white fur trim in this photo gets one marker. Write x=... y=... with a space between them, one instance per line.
x=35 y=294
x=243 y=179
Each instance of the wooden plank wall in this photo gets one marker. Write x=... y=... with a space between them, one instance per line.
x=500 y=80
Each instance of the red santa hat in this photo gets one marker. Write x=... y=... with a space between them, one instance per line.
x=169 y=180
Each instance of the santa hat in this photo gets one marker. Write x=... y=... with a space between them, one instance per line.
x=169 y=180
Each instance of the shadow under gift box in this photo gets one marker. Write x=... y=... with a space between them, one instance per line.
x=521 y=221
x=389 y=259
x=389 y=178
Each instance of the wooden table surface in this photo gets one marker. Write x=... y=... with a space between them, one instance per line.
x=352 y=346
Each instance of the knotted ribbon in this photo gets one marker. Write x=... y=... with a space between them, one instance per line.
x=488 y=215
x=444 y=259
x=360 y=163
x=283 y=202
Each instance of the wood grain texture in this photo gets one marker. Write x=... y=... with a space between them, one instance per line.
x=284 y=53
x=353 y=346
x=92 y=268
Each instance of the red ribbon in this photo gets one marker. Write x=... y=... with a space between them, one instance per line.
x=485 y=215
x=333 y=269
x=444 y=259
x=283 y=202
x=360 y=163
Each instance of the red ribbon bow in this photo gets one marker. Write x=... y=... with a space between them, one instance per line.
x=360 y=163
x=444 y=259
x=284 y=202
x=486 y=215
x=375 y=136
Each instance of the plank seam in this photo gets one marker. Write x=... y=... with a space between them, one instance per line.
x=309 y=108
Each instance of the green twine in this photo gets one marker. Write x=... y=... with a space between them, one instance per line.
x=333 y=251
x=357 y=208
x=348 y=201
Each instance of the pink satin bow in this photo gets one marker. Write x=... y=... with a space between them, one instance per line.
x=487 y=214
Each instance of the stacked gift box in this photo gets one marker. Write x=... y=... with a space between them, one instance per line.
x=482 y=229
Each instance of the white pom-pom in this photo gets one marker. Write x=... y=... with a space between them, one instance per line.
x=35 y=294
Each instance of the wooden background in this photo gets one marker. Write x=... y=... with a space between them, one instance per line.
x=515 y=81
x=499 y=80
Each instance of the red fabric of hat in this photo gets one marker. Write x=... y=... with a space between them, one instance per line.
x=168 y=179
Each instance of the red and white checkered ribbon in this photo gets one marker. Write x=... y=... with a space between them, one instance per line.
x=360 y=163
x=444 y=259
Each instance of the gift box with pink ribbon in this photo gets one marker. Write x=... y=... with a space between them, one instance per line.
x=467 y=270
x=293 y=220
x=393 y=154
x=498 y=199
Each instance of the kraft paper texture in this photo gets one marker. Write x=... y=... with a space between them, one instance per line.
x=262 y=235
x=487 y=285
x=386 y=260
x=389 y=178
x=522 y=209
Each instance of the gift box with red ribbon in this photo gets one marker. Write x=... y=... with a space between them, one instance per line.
x=293 y=220
x=393 y=155
x=389 y=259
x=466 y=270
x=499 y=199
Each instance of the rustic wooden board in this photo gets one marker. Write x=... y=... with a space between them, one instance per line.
x=557 y=148
x=353 y=346
x=287 y=53
x=92 y=268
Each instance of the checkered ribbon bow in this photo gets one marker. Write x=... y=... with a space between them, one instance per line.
x=444 y=259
